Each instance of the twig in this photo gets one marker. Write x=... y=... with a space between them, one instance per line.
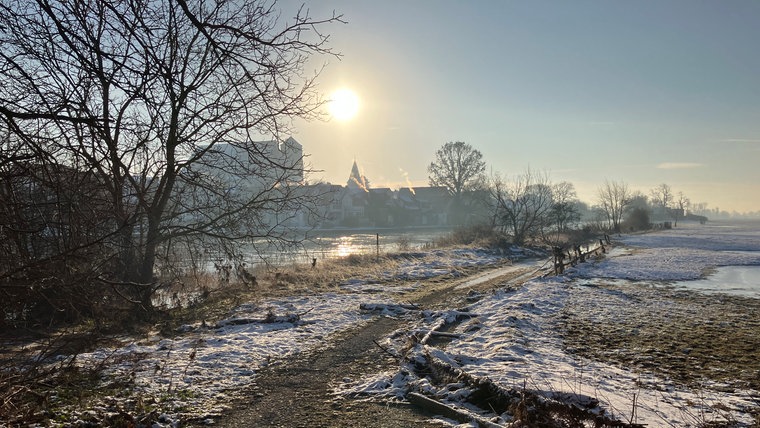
x=386 y=350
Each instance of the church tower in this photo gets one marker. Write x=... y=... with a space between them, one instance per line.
x=356 y=180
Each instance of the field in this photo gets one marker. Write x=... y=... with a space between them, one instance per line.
x=490 y=335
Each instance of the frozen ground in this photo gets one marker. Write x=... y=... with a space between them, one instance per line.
x=197 y=374
x=515 y=341
x=738 y=280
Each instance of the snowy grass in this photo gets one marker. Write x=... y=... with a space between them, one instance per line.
x=518 y=341
x=208 y=364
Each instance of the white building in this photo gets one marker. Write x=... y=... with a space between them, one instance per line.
x=255 y=165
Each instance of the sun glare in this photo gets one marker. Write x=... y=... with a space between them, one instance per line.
x=343 y=104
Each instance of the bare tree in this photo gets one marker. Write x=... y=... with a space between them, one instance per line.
x=661 y=198
x=564 y=206
x=162 y=103
x=680 y=205
x=637 y=212
x=613 y=199
x=50 y=242
x=699 y=208
x=458 y=167
x=673 y=205
x=522 y=205
x=661 y=195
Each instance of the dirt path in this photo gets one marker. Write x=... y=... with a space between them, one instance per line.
x=297 y=392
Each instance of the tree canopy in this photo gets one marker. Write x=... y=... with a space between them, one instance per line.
x=458 y=167
x=614 y=197
x=153 y=101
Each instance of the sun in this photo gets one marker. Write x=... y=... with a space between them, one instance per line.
x=343 y=104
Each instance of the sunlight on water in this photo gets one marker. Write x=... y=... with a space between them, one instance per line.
x=339 y=244
x=345 y=247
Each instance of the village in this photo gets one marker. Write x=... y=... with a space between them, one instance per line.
x=355 y=204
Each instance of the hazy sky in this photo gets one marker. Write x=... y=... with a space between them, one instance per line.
x=644 y=92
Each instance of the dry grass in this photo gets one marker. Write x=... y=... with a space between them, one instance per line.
x=208 y=298
x=481 y=235
x=26 y=389
x=699 y=337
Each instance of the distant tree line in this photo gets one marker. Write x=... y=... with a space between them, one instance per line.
x=529 y=207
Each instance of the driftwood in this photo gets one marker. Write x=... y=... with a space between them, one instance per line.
x=385 y=307
x=271 y=318
x=488 y=395
x=448 y=411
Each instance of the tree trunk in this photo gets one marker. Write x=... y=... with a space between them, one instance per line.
x=146 y=278
x=127 y=264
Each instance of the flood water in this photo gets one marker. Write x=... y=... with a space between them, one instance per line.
x=320 y=245
x=332 y=244
x=736 y=280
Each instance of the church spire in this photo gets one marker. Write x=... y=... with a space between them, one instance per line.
x=356 y=180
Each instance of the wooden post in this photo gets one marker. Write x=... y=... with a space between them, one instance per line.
x=377 y=243
x=559 y=257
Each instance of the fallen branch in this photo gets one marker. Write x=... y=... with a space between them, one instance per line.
x=487 y=395
x=445 y=334
x=437 y=326
x=384 y=307
x=271 y=318
x=448 y=411
x=386 y=350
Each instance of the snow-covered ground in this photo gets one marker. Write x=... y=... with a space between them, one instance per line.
x=515 y=342
x=199 y=372
x=685 y=253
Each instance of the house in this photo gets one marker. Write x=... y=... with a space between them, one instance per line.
x=424 y=206
x=254 y=165
x=357 y=204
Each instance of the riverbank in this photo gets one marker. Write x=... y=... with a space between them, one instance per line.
x=617 y=335
x=622 y=334
x=194 y=370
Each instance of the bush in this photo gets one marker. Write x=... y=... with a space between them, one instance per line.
x=403 y=244
x=481 y=234
x=638 y=219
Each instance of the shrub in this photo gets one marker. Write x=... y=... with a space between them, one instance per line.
x=480 y=234
x=638 y=219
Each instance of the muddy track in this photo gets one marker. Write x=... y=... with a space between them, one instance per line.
x=297 y=392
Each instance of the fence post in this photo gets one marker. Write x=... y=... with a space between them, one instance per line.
x=559 y=256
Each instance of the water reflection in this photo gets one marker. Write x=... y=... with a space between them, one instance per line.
x=346 y=247
x=327 y=245
x=335 y=244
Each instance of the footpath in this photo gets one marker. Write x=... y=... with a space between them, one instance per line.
x=298 y=392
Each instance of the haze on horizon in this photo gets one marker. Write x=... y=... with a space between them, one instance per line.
x=639 y=92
